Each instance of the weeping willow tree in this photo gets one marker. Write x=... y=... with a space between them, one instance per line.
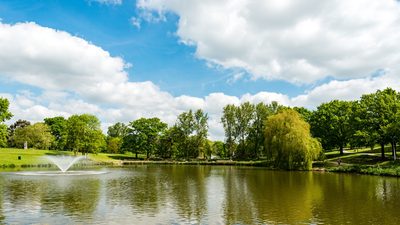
x=288 y=141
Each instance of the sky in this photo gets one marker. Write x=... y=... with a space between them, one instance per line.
x=124 y=59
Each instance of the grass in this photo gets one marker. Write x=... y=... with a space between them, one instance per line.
x=363 y=161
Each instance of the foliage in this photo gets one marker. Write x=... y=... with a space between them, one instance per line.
x=219 y=149
x=11 y=129
x=114 y=144
x=332 y=124
x=4 y=113
x=288 y=141
x=58 y=128
x=142 y=135
x=117 y=130
x=244 y=128
x=84 y=134
x=190 y=133
x=379 y=114
x=3 y=135
x=37 y=136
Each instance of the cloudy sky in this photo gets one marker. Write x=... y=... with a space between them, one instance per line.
x=125 y=59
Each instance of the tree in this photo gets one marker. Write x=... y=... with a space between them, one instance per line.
x=114 y=144
x=228 y=121
x=165 y=148
x=37 y=136
x=305 y=113
x=117 y=130
x=143 y=134
x=219 y=149
x=332 y=123
x=3 y=135
x=84 y=134
x=200 y=130
x=244 y=117
x=58 y=128
x=18 y=124
x=256 y=137
x=379 y=115
x=190 y=133
x=4 y=113
x=288 y=141
x=115 y=136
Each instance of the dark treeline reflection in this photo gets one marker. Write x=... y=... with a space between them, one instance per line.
x=73 y=197
x=150 y=189
x=201 y=195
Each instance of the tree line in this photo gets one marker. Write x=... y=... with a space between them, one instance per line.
x=288 y=137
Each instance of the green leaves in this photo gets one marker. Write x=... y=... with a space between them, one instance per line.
x=288 y=141
x=4 y=113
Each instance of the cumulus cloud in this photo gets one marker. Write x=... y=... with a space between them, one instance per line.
x=75 y=76
x=296 y=41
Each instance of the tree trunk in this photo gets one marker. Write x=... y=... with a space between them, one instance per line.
x=341 y=150
x=393 y=150
x=383 y=151
x=136 y=155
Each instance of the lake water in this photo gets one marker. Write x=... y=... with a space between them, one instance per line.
x=199 y=195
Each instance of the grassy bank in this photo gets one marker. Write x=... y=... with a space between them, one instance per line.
x=362 y=161
x=20 y=158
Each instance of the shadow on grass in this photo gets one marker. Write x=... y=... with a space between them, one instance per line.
x=124 y=157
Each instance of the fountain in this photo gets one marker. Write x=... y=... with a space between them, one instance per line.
x=63 y=163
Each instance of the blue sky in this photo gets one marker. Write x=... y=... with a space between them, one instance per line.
x=154 y=50
x=125 y=59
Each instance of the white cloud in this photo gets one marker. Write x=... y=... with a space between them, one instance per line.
x=75 y=76
x=296 y=41
x=136 y=22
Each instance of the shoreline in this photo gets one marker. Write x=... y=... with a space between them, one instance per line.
x=349 y=169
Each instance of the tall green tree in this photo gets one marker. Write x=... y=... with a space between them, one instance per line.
x=228 y=120
x=144 y=133
x=4 y=113
x=58 y=128
x=117 y=130
x=332 y=123
x=244 y=118
x=11 y=129
x=3 y=135
x=379 y=114
x=190 y=133
x=288 y=141
x=115 y=137
x=200 y=131
x=37 y=136
x=84 y=134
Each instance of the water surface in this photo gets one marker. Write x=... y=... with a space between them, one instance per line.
x=155 y=194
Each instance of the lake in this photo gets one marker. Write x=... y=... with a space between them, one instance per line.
x=155 y=194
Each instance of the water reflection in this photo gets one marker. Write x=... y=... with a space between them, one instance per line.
x=200 y=195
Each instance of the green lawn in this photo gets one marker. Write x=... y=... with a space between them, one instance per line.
x=9 y=157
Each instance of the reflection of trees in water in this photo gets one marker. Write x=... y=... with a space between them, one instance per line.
x=259 y=196
x=74 y=198
x=2 y=217
x=79 y=198
x=23 y=194
x=188 y=190
x=358 y=199
x=143 y=190
x=153 y=188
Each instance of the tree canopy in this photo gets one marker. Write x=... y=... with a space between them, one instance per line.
x=288 y=141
